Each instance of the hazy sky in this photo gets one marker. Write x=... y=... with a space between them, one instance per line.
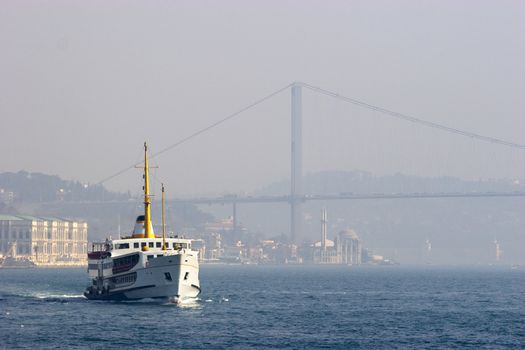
x=84 y=83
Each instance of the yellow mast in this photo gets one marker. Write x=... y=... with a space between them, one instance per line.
x=163 y=222
x=148 y=232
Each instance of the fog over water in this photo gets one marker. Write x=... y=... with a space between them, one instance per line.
x=85 y=83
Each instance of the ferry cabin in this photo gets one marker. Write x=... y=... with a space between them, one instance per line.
x=116 y=256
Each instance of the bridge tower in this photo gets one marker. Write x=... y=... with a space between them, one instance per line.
x=296 y=182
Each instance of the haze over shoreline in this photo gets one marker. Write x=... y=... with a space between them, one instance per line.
x=88 y=82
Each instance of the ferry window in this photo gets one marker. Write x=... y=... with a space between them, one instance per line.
x=177 y=246
x=142 y=244
x=122 y=246
x=184 y=245
x=150 y=244
x=150 y=257
x=125 y=263
x=135 y=245
x=159 y=244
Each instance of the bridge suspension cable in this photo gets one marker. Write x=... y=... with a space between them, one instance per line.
x=200 y=131
x=339 y=97
x=412 y=119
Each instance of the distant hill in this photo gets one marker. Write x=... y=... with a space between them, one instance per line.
x=105 y=211
x=359 y=182
x=37 y=187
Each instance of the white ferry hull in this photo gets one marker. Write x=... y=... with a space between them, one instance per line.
x=154 y=282
x=171 y=276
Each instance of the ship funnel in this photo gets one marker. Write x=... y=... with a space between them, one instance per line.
x=138 y=230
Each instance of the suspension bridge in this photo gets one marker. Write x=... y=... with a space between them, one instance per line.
x=296 y=197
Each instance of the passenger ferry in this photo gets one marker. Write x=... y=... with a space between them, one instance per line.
x=143 y=265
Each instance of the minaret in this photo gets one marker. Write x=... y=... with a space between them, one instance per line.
x=324 y=222
x=148 y=228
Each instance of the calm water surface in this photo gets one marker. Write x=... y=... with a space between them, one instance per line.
x=277 y=307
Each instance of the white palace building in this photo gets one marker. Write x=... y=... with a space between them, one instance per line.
x=43 y=241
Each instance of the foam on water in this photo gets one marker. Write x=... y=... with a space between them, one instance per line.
x=44 y=295
x=192 y=303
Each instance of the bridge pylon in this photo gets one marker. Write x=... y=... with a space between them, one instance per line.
x=296 y=180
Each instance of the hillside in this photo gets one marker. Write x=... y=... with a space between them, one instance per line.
x=37 y=187
x=49 y=195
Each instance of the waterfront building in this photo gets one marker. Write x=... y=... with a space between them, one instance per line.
x=325 y=251
x=45 y=241
x=349 y=248
x=345 y=249
x=325 y=254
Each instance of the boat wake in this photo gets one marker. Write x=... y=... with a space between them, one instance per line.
x=43 y=296
x=219 y=300
x=57 y=296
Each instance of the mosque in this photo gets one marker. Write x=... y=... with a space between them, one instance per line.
x=346 y=248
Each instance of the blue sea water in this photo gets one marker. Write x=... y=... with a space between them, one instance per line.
x=275 y=307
